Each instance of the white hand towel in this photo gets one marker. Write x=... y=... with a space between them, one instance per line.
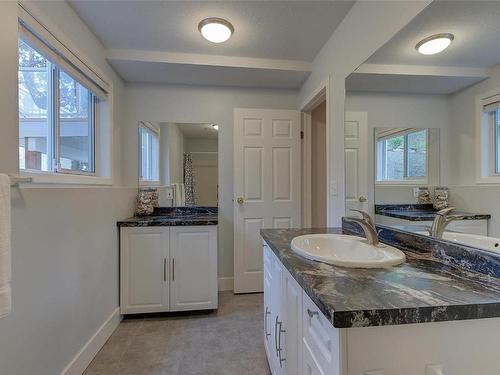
x=5 y=246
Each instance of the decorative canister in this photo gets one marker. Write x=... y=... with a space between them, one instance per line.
x=147 y=200
x=441 y=198
x=423 y=196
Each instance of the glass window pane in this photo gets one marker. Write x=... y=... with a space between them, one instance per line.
x=34 y=109
x=394 y=158
x=149 y=149
x=75 y=125
x=417 y=154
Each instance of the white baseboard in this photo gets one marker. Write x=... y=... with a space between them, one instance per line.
x=86 y=354
x=226 y=283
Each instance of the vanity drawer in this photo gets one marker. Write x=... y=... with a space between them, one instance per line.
x=320 y=337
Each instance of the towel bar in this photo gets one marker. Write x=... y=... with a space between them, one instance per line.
x=16 y=180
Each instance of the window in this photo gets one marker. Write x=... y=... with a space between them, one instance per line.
x=56 y=116
x=149 y=153
x=488 y=148
x=402 y=156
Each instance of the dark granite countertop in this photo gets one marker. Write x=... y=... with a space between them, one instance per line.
x=423 y=289
x=174 y=216
x=420 y=212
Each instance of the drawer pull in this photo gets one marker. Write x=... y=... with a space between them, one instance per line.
x=276 y=336
x=265 y=322
x=280 y=349
x=312 y=313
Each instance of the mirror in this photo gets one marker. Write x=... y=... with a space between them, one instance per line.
x=180 y=160
x=422 y=132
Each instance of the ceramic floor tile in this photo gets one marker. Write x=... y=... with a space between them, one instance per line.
x=225 y=342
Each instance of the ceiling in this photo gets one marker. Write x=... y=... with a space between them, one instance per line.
x=293 y=31
x=475 y=49
x=196 y=131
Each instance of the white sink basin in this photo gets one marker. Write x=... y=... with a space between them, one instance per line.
x=346 y=251
x=473 y=240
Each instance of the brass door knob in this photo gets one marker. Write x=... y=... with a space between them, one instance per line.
x=240 y=200
x=362 y=198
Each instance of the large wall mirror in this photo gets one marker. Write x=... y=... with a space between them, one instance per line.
x=422 y=131
x=180 y=160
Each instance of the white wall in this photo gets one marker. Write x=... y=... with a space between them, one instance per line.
x=203 y=104
x=367 y=26
x=64 y=240
x=464 y=192
x=176 y=144
x=388 y=110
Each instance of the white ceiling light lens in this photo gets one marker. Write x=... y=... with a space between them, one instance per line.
x=434 y=44
x=216 y=30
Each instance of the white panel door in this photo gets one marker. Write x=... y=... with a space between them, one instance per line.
x=357 y=162
x=144 y=255
x=193 y=258
x=266 y=185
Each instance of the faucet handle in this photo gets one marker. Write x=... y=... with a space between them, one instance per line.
x=445 y=211
x=366 y=216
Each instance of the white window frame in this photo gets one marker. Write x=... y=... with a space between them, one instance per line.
x=407 y=181
x=485 y=139
x=46 y=30
x=155 y=130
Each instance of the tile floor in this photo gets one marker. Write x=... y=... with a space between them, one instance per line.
x=228 y=341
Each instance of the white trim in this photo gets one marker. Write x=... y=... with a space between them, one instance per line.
x=207 y=60
x=306 y=203
x=225 y=284
x=52 y=178
x=423 y=70
x=87 y=353
x=320 y=94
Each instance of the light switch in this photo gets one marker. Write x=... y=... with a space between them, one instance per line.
x=374 y=372
x=434 y=370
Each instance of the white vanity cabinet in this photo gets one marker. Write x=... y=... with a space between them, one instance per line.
x=299 y=339
x=168 y=268
x=285 y=341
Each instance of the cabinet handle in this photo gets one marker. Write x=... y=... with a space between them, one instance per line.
x=312 y=313
x=280 y=349
x=276 y=336
x=164 y=269
x=173 y=269
x=265 y=322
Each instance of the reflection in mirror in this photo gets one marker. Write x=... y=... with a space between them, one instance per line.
x=180 y=160
x=422 y=131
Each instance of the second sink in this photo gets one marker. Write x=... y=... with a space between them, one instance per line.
x=346 y=251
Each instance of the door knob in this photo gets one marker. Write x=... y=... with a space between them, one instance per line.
x=362 y=198
x=240 y=200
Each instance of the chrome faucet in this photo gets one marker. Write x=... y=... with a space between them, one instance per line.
x=441 y=221
x=367 y=224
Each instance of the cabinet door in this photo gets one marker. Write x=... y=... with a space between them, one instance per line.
x=276 y=314
x=193 y=258
x=144 y=255
x=268 y=339
x=290 y=331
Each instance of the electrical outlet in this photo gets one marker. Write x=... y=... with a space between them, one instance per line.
x=415 y=192
x=169 y=193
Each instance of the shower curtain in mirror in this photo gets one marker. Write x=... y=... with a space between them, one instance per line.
x=189 y=183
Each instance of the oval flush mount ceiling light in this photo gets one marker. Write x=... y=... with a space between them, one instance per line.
x=216 y=30
x=434 y=44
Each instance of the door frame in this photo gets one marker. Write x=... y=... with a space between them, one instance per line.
x=319 y=95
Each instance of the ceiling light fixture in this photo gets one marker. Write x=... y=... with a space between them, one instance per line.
x=434 y=44
x=216 y=30
x=215 y=126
